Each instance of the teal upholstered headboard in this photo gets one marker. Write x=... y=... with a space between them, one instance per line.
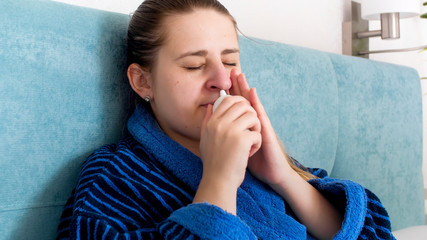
x=60 y=72
x=62 y=95
x=358 y=119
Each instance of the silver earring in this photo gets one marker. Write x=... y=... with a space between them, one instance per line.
x=147 y=98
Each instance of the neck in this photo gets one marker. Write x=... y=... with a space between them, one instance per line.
x=191 y=144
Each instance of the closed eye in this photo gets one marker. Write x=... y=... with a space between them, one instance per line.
x=194 y=68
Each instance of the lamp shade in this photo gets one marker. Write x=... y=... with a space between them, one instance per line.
x=372 y=9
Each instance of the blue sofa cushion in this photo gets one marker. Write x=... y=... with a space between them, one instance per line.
x=301 y=100
x=380 y=135
x=61 y=98
x=358 y=119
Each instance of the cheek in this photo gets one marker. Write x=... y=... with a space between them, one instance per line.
x=176 y=100
x=177 y=91
x=186 y=90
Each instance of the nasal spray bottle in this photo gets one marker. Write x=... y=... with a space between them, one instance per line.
x=222 y=95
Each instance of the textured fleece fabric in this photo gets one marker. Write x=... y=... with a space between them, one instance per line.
x=142 y=188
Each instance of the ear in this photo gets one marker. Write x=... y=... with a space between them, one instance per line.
x=140 y=80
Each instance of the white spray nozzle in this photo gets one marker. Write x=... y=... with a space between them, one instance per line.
x=222 y=95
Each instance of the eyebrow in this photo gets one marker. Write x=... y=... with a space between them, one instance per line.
x=204 y=53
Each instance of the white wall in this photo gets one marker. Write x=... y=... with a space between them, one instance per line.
x=309 y=23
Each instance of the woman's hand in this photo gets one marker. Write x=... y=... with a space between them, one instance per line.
x=269 y=164
x=225 y=143
x=228 y=137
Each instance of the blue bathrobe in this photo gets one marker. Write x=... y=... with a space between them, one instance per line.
x=142 y=188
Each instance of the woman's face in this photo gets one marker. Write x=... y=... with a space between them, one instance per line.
x=191 y=68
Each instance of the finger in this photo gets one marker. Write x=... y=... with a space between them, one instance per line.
x=227 y=103
x=256 y=102
x=241 y=111
x=235 y=90
x=248 y=121
x=237 y=110
x=243 y=85
x=266 y=125
x=242 y=115
x=257 y=142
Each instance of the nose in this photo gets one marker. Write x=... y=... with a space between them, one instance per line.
x=219 y=77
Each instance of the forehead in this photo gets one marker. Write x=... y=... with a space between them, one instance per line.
x=202 y=28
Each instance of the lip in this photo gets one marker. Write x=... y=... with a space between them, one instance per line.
x=209 y=101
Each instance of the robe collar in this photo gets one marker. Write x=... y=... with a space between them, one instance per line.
x=180 y=161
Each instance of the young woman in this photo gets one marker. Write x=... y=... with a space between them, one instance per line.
x=185 y=171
